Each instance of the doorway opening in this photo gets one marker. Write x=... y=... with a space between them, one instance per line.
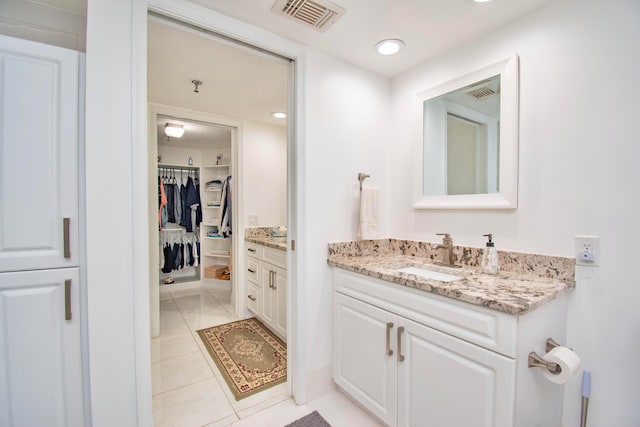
x=230 y=137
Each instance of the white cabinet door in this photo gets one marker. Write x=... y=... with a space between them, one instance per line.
x=280 y=291
x=38 y=155
x=444 y=381
x=40 y=355
x=363 y=364
x=268 y=295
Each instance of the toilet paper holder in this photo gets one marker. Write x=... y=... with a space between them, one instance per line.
x=535 y=361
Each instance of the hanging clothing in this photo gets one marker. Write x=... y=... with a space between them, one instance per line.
x=225 y=208
x=192 y=199
x=177 y=202
x=162 y=203
x=168 y=259
x=183 y=201
x=179 y=250
x=168 y=190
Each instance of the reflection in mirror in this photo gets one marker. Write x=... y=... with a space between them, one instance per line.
x=469 y=145
x=461 y=138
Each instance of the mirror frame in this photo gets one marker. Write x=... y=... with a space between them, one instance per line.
x=507 y=196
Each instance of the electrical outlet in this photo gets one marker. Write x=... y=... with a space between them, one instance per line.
x=588 y=250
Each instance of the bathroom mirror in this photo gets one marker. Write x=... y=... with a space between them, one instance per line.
x=469 y=140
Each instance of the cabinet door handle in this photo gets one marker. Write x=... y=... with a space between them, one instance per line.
x=67 y=299
x=274 y=280
x=400 y=331
x=66 y=226
x=251 y=297
x=389 y=327
x=251 y=250
x=251 y=270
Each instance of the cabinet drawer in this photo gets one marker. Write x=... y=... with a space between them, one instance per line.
x=487 y=328
x=252 y=270
x=275 y=257
x=254 y=250
x=254 y=298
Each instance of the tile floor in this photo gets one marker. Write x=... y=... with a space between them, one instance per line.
x=189 y=391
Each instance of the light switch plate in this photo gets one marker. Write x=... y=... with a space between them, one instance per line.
x=588 y=251
x=252 y=219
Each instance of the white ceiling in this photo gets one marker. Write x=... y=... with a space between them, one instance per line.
x=428 y=27
x=236 y=81
x=196 y=134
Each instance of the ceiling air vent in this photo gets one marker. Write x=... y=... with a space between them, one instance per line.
x=318 y=14
x=482 y=92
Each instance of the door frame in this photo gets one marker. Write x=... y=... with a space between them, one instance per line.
x=235 y=126
x=208 y=19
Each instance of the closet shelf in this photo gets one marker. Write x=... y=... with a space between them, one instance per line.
x=217 y=166
x=217 y=256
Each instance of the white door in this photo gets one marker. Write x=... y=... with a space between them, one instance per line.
x=364 y=361
x=268 y=294
x=38 y=155
x=40 y=356
x=280 y=290
x=444 y=381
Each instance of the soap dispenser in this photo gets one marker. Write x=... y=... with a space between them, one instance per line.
x=490 y=264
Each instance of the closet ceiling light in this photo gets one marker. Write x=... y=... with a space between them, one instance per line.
x=279 y=114
x=174 y=131
x=389 y=46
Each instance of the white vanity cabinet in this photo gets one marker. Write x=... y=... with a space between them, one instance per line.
x=267 y=286
x=418 y=359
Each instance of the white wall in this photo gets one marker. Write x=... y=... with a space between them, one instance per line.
x=347 y=133
x=116 y=340
x=579 y=102
x=264 y=151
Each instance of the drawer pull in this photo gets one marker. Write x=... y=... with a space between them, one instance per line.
x=67 y=299
x=66 y=226
x=251 y=297
x=389 y=350
x=251 y=270
x=251 y=250
x=400 y=331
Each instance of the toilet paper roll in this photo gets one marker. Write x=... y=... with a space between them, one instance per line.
x=567 y=359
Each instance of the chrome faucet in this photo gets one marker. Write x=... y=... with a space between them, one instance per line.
x=447 y=255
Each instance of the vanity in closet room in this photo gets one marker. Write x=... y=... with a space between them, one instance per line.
x=266 y=262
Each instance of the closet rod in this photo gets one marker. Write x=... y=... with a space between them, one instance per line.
x=179 y=168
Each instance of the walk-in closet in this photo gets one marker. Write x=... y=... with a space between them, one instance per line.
x=195 y=204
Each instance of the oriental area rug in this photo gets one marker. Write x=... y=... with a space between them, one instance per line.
x=250 y=357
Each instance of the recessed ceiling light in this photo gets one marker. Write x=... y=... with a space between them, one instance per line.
x=389 y=46
x=481 y=1
x=173 y=130
x=279 y=114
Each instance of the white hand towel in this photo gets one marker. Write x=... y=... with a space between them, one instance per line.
x=368 y=213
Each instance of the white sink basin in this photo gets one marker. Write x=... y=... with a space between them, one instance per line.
x=428 y=274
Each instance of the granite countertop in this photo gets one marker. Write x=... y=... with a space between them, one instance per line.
x=508 y=292
x=279 y=243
